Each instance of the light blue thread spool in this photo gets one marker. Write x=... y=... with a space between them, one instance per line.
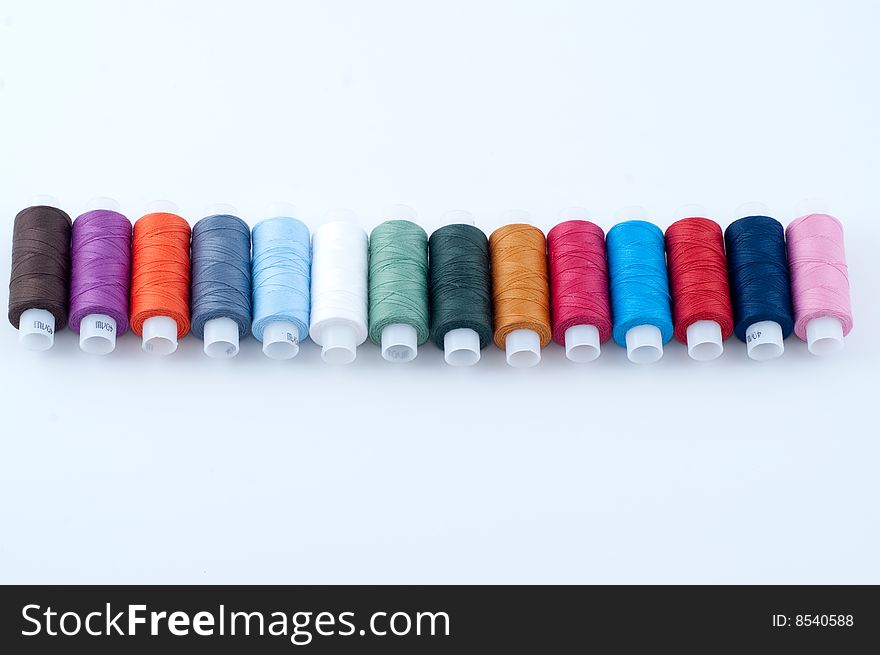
x=281 y=281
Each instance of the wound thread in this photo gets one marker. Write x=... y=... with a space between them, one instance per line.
x=160 y=271
x=520 y=285
x=638 y=280
x=281 y=273
x=40 y=276
x=101 y=267
x=221 y=272
x=460 y=288
x=578 y=278
x=819 y=274
x=340 y=256
x=398 y=278
x=758 y=273
x=698 y=275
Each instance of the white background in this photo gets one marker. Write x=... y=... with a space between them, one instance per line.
x=132 y=468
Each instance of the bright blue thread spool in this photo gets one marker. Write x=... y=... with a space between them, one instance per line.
x=639 y=286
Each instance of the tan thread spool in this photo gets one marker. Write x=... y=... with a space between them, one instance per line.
x=520 y=283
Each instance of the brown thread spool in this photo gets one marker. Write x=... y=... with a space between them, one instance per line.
x=40 y=277
x=520 y=292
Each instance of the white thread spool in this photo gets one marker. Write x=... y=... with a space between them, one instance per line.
x=339 y=288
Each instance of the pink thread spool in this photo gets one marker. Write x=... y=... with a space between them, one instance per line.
x=819 y=282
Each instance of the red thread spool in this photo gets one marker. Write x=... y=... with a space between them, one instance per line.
x=579 y=285
x=698 y=283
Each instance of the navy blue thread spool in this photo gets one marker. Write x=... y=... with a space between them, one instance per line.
x=760 y=288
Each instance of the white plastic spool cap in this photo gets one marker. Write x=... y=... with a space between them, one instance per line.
x=704 y=340
x=402 y=213
x=811 y=206
x=574 y=214
x=36 y=329
x=221 y=338
x=102 y=202
x=97 y=334
x=458 y=217
x=764 y=340
x=692 y=210
x=631 y=213
x=45 y=200
x=582 y=343
x=342 y=215
x=338 y=343
x=523 y=348
x=280 y=340
x=220 y=208
x=515 y=216
x=824 y=335
x=163 y=207
x=400 y=343
x=159 y=334
x=281 y=208
x=644 y=344
x=752 y=209
x=461 y=347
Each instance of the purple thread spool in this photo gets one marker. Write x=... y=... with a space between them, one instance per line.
x=100 y=277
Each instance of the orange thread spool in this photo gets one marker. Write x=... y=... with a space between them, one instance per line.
x=520 y=283
x=160 y=270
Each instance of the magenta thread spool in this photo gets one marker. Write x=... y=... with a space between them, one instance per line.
x=581 y=308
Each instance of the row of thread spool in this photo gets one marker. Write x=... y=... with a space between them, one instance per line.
x=401 y=288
